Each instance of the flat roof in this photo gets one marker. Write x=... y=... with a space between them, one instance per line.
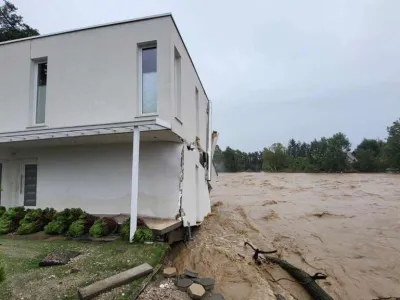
x=112 y=24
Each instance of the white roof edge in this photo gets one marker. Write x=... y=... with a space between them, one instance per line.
x=88 y=28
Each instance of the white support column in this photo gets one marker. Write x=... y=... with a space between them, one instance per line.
x=135 y=181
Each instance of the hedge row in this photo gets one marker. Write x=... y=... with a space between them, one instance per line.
x=72 y=222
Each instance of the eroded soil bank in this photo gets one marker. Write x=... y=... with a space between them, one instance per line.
x=344 y=225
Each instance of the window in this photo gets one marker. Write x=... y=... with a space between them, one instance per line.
x=40 y=91
x=149 y=80
x=30 y=185
x=177 y=80
x=197 y=114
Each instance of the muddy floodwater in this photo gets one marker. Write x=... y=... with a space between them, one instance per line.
x=344 y=225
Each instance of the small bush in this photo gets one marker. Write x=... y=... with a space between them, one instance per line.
x=103 y=227
x=35 y=220
x=2 y=210
x=9 y=221
x=81 y=226
x=142 y=235
x=62 y=220
x=125 y=230
x=76 y=229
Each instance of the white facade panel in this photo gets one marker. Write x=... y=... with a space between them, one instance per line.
x=97 y=178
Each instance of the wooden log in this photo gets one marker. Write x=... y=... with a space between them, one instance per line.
x=117 y=280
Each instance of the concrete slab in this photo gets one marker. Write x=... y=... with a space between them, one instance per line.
x=207 y=283
x=169 y=272
x=183 y=284
x=196 y=291
x=190 y=273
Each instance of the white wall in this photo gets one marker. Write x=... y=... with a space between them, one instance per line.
x=189 y=81
x=92 y=75
x=196 y=207
x=97 y=178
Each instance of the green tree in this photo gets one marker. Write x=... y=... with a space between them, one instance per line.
x=370 y=156
x=11 y=24
x=393 y=145
x=335 y=159
x=275 y=158
x=233 y=160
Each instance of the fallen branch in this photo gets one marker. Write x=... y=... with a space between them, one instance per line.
x=305 y=279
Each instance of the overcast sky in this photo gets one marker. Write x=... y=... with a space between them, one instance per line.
x=273 y=69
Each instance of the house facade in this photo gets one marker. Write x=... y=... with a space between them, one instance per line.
x=112 y=119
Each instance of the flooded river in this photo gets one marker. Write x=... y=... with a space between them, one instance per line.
x=344 y=225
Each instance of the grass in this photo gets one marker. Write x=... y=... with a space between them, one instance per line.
x=21 y=256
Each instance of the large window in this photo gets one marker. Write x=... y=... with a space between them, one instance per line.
x=177 y=81
x=149 y=80
x=41 y=84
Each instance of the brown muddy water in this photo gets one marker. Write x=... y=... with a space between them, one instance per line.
x=344 y=225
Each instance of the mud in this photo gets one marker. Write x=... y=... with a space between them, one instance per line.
x=344 y=225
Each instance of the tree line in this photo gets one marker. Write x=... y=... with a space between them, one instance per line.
x=328 y=154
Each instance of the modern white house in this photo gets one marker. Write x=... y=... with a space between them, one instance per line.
x=111 y=118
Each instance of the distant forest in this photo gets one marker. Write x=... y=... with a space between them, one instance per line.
x=328 y=154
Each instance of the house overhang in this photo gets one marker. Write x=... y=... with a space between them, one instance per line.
x=31 y=134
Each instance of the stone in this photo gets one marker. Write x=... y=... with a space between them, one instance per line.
x=216 y=297
x=196 y=291
x=190 y=273
x=183 y=284
x=169 y=272
x=207 y=283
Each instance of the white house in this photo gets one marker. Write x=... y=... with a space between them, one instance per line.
x=112 y=119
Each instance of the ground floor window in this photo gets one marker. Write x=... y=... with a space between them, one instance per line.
x=30 y=185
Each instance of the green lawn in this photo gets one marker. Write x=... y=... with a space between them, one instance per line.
x=26 y=280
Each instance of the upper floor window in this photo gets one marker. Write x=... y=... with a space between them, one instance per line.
x=177 y=82
x=40 y=92
x=149 y=80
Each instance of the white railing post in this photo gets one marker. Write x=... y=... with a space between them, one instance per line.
x=135 y=181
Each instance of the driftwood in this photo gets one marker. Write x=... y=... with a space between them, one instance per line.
x=305 y=279
x=109 y=283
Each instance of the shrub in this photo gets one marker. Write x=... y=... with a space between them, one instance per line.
x=62 y=220
x=125 y=230
x=34 y=221
x=9 y=221
x=2 y=210
x=103 y=227
x=81 y=226
x=142 y=235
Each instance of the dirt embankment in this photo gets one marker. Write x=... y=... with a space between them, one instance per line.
x=345 y=226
